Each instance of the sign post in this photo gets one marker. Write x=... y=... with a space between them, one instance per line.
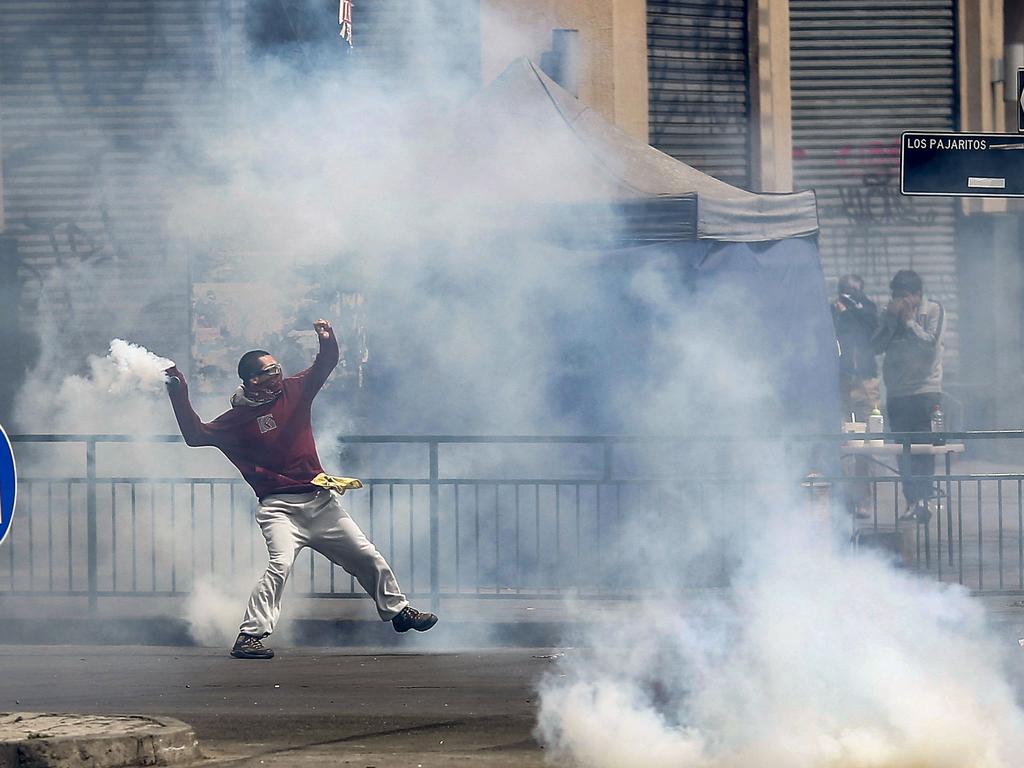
x=962 y=164
x=8 y=484
x=1020 y=100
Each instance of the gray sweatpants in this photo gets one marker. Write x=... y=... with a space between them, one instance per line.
x=291 y=521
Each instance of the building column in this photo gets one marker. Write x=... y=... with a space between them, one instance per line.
x=770 y=97
x=980 y=53
x=629 y=46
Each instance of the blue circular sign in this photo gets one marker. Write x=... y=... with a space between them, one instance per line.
x=8 y=484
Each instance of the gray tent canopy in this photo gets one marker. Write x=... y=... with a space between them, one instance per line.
x=588 y=159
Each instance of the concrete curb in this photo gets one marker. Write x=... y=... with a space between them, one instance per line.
x=42 y=740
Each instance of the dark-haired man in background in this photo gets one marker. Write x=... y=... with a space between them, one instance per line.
x=268 y=436
x=910 y=336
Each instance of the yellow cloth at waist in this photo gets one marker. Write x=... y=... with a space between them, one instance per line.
x=333 y=483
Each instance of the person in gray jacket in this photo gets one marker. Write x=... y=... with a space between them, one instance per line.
x=910 y=336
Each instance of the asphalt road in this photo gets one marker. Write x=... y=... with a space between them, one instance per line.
x=305 y=707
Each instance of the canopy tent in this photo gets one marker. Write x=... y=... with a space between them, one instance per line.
x=586 y=158
x=744 y=265
x=705 y=307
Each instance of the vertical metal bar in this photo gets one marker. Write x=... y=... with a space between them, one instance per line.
x=917 y=546
x=10 y=563
x=252 y=535
x=497 y=542
x=536 y=516
x=71 y=559
x=897 y=485
x=618 y=518
x=938 y=536
x=192 y=525
x=579 y=564
x=412 y=552
x=874 y=502
x=49 y=531
x=949 y=510
x=999 y=492
x=558 y=536
x=476 y=533
x=435 y=530
x=908 y=467
x=152 y=532
x=391 y=522
x=458 y=545
x=372 y=510
x=135 y=559
x=213 y=532
x=960 y=530
x=113 y=535
x=31 y=547
x=981 y=562
x=174 y=536
x=518 y=578
x=91 y=529
x=231 y=525
x=1020 y=536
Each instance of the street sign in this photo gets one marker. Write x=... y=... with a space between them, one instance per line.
x=962 y=164
x=1020 y=100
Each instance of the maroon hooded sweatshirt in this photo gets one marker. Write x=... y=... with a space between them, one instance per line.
x=271 y=444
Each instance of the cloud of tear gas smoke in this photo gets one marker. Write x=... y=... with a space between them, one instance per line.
x=213 y=611
x=815 y=656
x=118 y=393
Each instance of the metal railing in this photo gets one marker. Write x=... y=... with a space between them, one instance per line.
x=481 y=533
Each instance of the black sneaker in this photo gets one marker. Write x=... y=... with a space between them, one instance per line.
x=919 y=513
x=251 y=647
x=410 y=618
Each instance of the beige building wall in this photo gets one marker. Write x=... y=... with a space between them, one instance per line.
x=612 y=49
x=770 y=97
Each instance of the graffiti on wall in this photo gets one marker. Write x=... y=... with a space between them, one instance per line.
x=868 y=226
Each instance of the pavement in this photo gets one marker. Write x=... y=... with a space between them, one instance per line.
x=308 y=706
x=411 y=706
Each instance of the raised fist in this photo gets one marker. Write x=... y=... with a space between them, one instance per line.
x=323 y=329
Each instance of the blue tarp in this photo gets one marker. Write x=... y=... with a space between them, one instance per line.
x=712 y=337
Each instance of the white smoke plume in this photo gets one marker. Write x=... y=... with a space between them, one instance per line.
x=120 y=392
x=818 y=657
x=213 y=611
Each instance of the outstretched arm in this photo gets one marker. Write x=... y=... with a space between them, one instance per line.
x=326 y=359
x=194 y=431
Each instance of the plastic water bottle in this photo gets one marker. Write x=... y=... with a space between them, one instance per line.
x=875 y=423
x=876 y=426
x=938 y=420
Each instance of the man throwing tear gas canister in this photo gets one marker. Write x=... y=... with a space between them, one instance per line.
x=268 y=436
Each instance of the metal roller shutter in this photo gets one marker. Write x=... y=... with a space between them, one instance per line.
x=862 y=72
x=698 y=74
x=89 y=92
